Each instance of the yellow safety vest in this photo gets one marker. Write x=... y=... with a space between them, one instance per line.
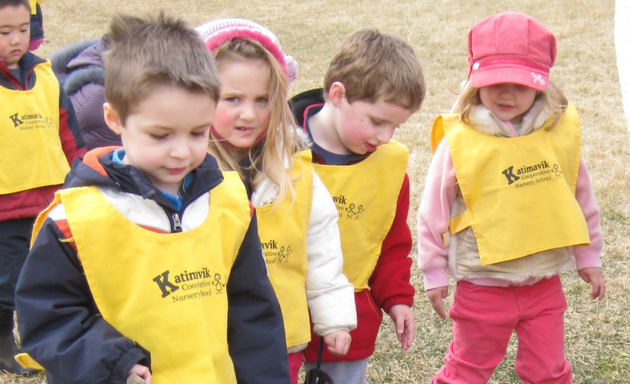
x=33 y=5
x=283 y=239
x=366 y=196
x=519 y=192
x=165 y=291
x=32 y=155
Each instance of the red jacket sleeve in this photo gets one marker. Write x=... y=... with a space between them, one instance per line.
x=390 y=280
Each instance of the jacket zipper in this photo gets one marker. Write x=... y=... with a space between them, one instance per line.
x=177 y=225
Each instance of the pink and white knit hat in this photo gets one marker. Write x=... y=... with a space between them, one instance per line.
x=215 y=33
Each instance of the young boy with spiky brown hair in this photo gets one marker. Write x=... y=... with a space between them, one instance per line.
x=373 y=85
x=149 y=261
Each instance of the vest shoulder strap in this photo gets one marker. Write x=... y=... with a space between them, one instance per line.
x=437 y=131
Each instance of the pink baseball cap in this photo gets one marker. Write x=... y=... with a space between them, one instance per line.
x=510 y=48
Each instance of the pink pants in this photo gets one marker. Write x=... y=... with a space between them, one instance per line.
x=483 y=321
x=295 y=362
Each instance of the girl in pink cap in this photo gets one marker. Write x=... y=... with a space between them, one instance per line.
x=507 y=207
x=254 y=134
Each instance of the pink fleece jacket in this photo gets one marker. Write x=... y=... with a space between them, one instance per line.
x=434 y=213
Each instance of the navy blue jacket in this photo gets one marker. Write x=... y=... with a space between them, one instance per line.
x=60 y=325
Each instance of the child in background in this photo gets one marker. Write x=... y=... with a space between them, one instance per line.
x=254 y=134
x=40 y=139
x=37 y=25
x=79 y=68
x=506 y=206
x=149 y=262
x=374 y=84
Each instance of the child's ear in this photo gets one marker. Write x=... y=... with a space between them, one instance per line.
x=111 y=119
x=336 y=93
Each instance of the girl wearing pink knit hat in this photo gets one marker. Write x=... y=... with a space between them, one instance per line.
x=254 y=134
x=507 y=207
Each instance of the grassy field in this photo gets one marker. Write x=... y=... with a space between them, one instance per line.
x=597 y=333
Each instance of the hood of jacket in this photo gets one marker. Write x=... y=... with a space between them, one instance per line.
x=300 y=102
x=91 y=55
x=97 y=168
x=79 y=63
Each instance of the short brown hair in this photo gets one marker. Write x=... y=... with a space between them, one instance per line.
x=15 y=3
x=155 y=51
x=374 y=66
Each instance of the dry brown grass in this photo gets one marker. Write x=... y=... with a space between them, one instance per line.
x=597 y=334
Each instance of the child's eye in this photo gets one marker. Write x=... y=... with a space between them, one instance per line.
x=262 y=100
x=203 y=133
x=376 y=122
x=231 y=99
x=158 y=137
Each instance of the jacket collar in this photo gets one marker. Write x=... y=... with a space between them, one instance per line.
x=27 y=63
x=486 y=122
x=98 y=169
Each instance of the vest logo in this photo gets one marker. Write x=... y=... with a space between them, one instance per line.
x=16 y=120
x=531 y=174
x=353 y=212
x=341 y=199
x=275 y=255
x=348 y=211
x=269 y=245
x=165 y=286
x=509 y=174
x=524 y=170
x=30 y=121
x=190 y=281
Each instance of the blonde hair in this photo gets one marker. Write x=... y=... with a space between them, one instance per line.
x=270 y=156
x=468 y=99
x=154 y=51
x=373 y=66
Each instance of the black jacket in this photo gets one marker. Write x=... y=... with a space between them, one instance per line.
x=60 y=325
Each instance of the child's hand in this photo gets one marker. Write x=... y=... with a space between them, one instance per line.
x=402 y=316
x=595 y=277
x=436 y=297
x=338 y=342
x=143 y=372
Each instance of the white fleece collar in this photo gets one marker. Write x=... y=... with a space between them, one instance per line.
x=486 y=122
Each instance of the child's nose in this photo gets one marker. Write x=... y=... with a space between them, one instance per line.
x=15 y=39
x=248 y=113
x=385 y=135
x=181 y=151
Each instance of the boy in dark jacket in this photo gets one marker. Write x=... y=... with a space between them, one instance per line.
x=40 y=139
x=152 y=261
